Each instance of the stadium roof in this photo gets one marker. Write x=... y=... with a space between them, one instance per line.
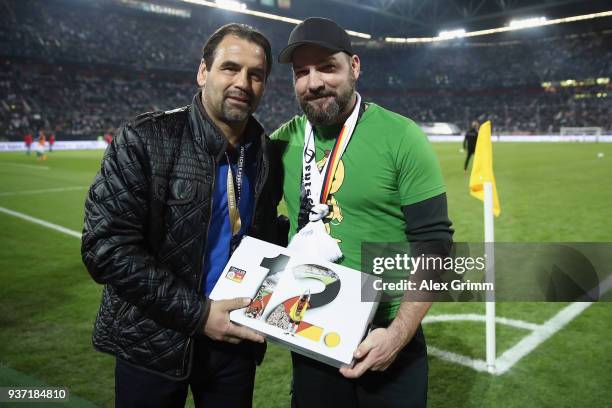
x=429 y=17
x=422 y=18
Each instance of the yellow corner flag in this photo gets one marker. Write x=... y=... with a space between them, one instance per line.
x=482 y=169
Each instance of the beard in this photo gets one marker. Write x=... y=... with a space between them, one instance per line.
x=233 y=113
x=335 y=111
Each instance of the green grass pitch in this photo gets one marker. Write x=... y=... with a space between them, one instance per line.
x=552 y=192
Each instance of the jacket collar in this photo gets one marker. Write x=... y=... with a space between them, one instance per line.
x=211 y=137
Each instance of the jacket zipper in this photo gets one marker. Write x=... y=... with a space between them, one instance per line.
x=189 y=347
x=259 y=182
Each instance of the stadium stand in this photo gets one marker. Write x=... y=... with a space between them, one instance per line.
x=81 y=68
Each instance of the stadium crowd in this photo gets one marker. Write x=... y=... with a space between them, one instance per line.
x=82 y=68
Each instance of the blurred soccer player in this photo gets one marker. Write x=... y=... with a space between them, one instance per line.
x=176 y=192
x=51 y=141
x=469 y=143
x=40 y=148
x=28 y=140
x=387 y=187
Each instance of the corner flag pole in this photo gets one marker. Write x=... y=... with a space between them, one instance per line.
x=489 y=275
x=482 y=186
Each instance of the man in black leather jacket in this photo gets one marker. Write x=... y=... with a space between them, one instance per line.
x=158 y=232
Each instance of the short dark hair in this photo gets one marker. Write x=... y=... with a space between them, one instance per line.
x=243 y=31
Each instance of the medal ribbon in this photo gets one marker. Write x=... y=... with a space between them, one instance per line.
x=318 y=184
x=233 y=195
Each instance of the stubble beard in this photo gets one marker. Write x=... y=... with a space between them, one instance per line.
x=234 y=114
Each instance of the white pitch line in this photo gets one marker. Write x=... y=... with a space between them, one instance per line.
x=540 y=333
x=46 y=190
x=605 y=286
x=601 y=289
x=43 y=223
x=29 y=166
x=476 y=364
x=530 y=342
x=520 y=324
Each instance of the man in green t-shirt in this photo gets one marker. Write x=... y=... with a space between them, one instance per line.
x=382 y=183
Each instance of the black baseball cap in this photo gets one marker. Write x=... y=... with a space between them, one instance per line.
x=317 y=31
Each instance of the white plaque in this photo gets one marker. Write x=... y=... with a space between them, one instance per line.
x=312 y=307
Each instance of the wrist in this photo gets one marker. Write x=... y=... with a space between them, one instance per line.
x=206 y=304
x=399 y=334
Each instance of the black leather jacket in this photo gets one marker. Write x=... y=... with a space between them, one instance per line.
x=147 y=215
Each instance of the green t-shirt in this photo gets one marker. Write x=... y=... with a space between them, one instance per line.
x=388 y=163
